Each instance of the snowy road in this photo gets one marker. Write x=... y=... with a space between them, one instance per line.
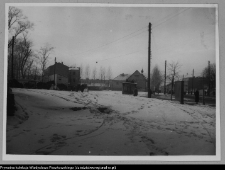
x=51 y=122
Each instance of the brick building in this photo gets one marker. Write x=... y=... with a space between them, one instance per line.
x=58 y=72
x=74 y=76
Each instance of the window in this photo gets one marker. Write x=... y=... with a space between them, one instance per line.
x=74 y=73
x=74 y=80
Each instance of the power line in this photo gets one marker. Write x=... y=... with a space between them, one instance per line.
x=174 y=45
x=121 y=55
x=170 y=18
x=126 y=36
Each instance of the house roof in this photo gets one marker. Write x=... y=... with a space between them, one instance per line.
x=122 y=77
x=57 y=68
x=137 y=72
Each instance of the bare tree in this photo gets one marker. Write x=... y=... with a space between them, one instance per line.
x=14 y=15
x=17 y=23
x=87 y=71
x=44 y=54
x=212 y=72
x=156 y=79
x=94 y=73
x=109 y=73
x=23 y=56
x=28 y=68
x=34 y=71
x=81 y=71
x=174 y=69
x=102 y=74
x=209 y=74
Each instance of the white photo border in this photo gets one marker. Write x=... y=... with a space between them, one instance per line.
x=216 y=157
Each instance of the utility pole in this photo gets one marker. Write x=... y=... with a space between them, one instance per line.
x=149 y=60
x=209 y=78
x=12 y=74
x=171 y=96
x=203 y=91
x=54 y=71
x=165 y=79
x=192 y=81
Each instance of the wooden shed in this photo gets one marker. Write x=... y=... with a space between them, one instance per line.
x=128 y=87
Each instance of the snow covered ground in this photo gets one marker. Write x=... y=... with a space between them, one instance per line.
x=50 y=122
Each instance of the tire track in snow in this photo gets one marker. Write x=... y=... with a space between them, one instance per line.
x=201 y=121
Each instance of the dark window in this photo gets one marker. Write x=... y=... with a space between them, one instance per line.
x=74 y=80
x=74 y=73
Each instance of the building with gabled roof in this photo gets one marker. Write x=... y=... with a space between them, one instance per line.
x=136 y=77
x=140 y=79
x=58 y=73
x=122 y=77
x=117 y=82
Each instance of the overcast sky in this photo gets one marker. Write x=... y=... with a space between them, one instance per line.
x=118 y=36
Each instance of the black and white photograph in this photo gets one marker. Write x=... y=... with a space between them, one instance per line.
x=111 y=81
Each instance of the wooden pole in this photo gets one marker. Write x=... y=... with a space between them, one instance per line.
x=182 y=93
x=209 y=78
x=172 y=88
x=193 y=81
x=203 y=94
x=54 y=72
x=149 y=61
x=165 y=80
x=12 y=69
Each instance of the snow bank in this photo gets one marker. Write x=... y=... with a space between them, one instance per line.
x=128 y=126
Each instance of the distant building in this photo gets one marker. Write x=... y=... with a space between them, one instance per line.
x=140 y=79
x=74 y=76
x=58 y=73
x=96 y=82
x=168 y=88
x=190 y=85
x=117 y=82
x=136 y=77
x=193 y=83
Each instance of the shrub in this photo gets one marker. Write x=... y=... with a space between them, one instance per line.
x=15 y=84
x=62 y=86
